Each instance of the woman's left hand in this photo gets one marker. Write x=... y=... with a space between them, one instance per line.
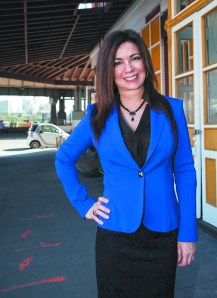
x=186 y=251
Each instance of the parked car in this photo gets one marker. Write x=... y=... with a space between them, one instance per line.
x=45 y=135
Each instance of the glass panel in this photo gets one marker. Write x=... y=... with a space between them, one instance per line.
x=145 y=35
x=211 y=95
x=155 y=32
x=155 y=54
x=182 y=4
x=158 y=76
x=185 y=92
x=210 y=23
x=185 y=49
x=47 y=128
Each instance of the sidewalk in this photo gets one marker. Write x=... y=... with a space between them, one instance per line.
x=46 y=250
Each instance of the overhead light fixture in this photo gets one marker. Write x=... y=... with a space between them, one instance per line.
x=94 y=7
x=91 y=5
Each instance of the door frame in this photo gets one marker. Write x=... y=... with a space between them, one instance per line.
x=209 y=212
x=196 y=149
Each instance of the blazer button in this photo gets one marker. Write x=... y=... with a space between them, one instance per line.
x=140 y=174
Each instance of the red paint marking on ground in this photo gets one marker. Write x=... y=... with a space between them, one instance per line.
x=42 y=244
x=36 y=283
x=26 y=234
x=25 y=263
x=37 y=217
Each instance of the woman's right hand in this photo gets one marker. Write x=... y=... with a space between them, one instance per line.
x=98 y=210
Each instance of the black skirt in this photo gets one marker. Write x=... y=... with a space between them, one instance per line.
x=136 y=265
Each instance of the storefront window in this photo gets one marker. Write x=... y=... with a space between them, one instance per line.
x=210 y=26
x=211 y=90
x=182 y=4
x=185 y=49
x=185 y=92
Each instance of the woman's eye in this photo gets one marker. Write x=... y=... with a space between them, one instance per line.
x=137 y=58
x=117 y=63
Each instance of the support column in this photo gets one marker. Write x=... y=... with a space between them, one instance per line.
x=61 y=115
x=86 y=98
x=77 y=114
x=76 y=100
x=91 y=96
x=53 y=113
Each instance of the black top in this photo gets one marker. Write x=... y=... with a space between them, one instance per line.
x=137 y=141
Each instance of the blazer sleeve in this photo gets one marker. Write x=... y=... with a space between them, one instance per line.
x=66 y=158
x=185 y=180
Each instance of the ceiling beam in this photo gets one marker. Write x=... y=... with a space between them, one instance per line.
x=84 y=69
x=70 y=34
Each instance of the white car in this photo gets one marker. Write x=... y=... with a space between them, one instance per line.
x=45 y=135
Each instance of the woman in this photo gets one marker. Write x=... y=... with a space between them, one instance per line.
x=144 y=226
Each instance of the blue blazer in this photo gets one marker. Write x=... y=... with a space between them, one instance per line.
x=161 y=195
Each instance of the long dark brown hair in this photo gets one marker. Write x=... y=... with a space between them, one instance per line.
x=106 y=90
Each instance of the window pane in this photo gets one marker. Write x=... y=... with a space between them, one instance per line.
x=211 y=37
x=47 y=128
x=155 y=55
x=182 y=4
x=185 y=49
x=145 y=35
x=158 y=76
x=155 y=32
x=211 y=95
x=185 y=91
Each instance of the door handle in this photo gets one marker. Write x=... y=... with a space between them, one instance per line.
x=196 y=132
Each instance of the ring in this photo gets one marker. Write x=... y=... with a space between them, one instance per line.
x=193 y=258
x=94 y=212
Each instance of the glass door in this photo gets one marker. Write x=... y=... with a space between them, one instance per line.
x=194 y=79
x=208 y=23
x=185 y=82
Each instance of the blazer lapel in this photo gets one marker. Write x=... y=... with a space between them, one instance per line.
x=157 y=121
x=114 y=132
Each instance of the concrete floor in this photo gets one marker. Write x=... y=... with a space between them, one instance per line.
x=46 y=250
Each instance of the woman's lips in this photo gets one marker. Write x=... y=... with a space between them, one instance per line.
x=130 y=79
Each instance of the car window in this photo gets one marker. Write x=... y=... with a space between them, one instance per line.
x=56 y=130
x=33 y=127
x=47 y=128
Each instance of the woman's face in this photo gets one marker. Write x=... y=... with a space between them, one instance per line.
x=129 y=68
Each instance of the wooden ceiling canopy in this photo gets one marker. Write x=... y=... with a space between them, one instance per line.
x=50 y=41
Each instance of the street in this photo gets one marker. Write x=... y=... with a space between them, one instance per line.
x=46 y=250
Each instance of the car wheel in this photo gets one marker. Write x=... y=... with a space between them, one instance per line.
x=35 y=145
